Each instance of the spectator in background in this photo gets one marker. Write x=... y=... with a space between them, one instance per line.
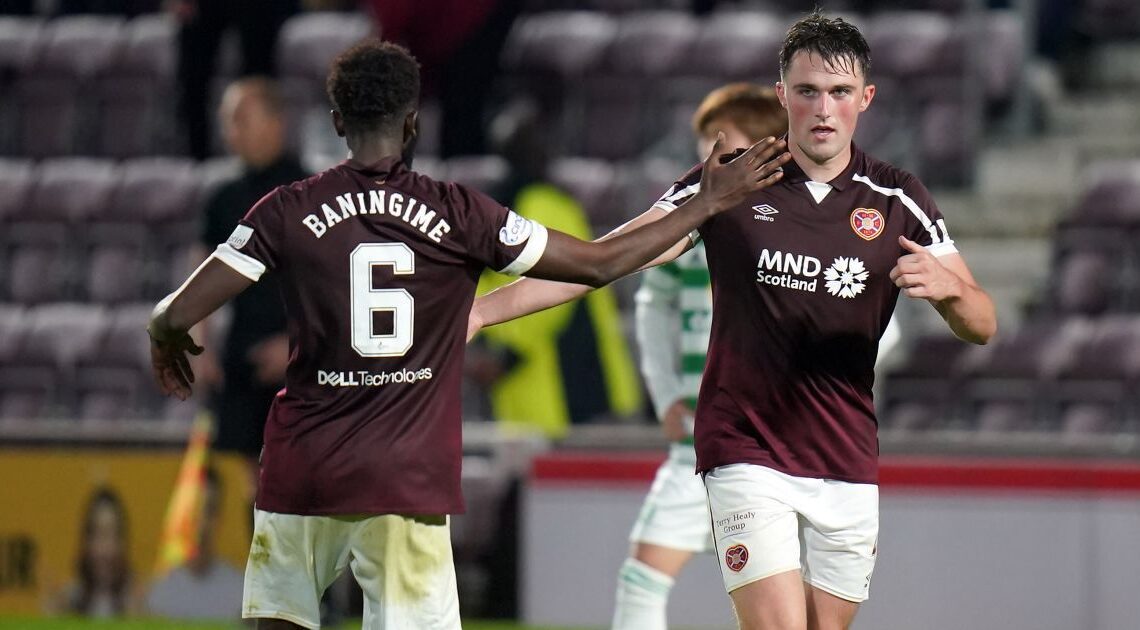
x=202 y=25
x=459 y=55
x=674 y=315
x=568 y=364
x=251 y=368
x=206 y=587
x=103 y=586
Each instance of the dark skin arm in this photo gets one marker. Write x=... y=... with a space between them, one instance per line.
x=211 y=286
x=565 y=258
x=723 y=185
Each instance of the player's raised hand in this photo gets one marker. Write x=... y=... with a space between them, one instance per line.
x=919 y=274
x=171 y=365
x=728 y=183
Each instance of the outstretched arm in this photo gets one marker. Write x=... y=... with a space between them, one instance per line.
x=946 y=282
x=654 y=237
x=530 y=295
x=210 y=286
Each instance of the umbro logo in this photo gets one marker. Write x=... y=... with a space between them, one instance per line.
x=764 y=212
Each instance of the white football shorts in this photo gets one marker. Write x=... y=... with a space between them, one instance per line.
x=403 y=565
x=766 y=522
x=676 y=510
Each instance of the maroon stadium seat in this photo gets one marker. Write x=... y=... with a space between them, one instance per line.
x=113 y=380
x=484 y=173
x=1112 y=197
x=1009 y=379
x=563 y=43
x=1086 y=282
x=72 y=53
x=738 y=46
x=1096 y=383
x=38 y=381
x=41 y=235
x=595 y=184
x=617 y=120
x=911 y=43
x=135 y=115
x=920 y=392
x=1109 y=19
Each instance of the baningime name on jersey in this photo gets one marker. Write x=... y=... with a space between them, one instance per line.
x=380 y=202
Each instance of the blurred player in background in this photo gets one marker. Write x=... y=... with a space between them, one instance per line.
x=379 y=264
x=251 y=368
x=673 y=314
x=805 y=276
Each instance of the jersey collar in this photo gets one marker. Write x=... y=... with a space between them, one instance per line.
x=383 y=165
x=793 y=174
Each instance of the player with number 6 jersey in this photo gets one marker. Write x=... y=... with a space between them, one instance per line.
x=378 y=267
x=382 y=265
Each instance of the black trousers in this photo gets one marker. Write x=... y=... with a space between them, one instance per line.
x=257 y=23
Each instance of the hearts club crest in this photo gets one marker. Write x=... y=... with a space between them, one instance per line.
x=868 y=223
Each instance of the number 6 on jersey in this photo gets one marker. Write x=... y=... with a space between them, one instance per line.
x=367 y=300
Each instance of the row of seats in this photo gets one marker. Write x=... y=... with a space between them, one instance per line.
x=77 y=360
x=102 y=85
x=98 y=230
x=602 y=67
x=1075 y=375
x=1074 y=366
x=92 y=229
x=1096 y=245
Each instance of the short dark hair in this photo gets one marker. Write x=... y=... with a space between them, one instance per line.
x=835 y=40
x=374 y=85
x=754 y=109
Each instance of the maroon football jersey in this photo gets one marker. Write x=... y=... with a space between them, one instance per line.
x=378 y=267
x=801 y=295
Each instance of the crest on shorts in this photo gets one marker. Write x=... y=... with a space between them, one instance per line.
x=867 y=223
x=735 y=557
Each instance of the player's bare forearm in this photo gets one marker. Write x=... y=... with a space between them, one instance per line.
x=723 y=185
x=970 y=314
x=946 y=282
x=210 y=286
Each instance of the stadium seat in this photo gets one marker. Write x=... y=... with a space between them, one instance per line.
x=920 y=392
x=1007 y=381
x=113 y=380
x=562 y=43
x=306 y=46
x=1109 y=19
x=484 y=173
x=912 y=43
x=948 y=134
x=135 y=95
x=1112 y=196
x=12 y=322
x=38 y=380
x=1095 y=382
x=1004 y=40
x=19 y=37
x=738 y=46
x=73 y=51
x=1086 y=282
x=15 y=186
x=40 y=238
x=595 y=184
x=617 y=120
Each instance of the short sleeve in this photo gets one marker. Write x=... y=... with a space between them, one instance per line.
x=255 y=244
x=495 y=236
x=681 y=191
x=925 y=225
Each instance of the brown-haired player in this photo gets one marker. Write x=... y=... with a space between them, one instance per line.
x=378 y=266
x=805 y=275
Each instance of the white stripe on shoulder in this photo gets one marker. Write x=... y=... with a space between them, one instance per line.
x=532 y=251
x=245 y=265
x=914 y=208
x=691 y=189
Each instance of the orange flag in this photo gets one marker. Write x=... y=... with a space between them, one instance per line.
x=179 y=540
